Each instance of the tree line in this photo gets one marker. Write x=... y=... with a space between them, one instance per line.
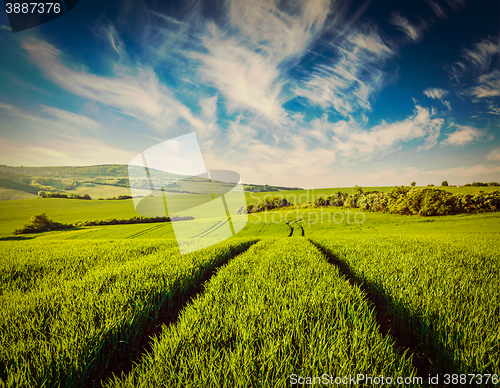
x=428 y=201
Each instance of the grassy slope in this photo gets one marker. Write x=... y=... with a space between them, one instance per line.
x=13 y=214
x=11 y=195
x=102 y=191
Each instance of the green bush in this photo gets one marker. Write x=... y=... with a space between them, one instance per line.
x=40 y=223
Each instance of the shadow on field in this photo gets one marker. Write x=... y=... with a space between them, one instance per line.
x=169 y=315
x=16 y=238
x=29 y=236
x=404 y=327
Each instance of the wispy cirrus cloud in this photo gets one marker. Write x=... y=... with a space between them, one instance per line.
x=347 y=85
x=488 y=85
x=402 y=23
x=438 y=94
x=478 y=58
x=245 y=58
x=435 y=93
x=438 y=8
x=456 y=5
x=134 y=92
x=481 y=64
x=71 y=118
x=481 y=54
x=247 y=79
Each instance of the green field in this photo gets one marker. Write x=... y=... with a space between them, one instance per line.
x=302 y=292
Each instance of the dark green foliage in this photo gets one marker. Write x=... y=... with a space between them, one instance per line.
x=413 y=183
x=44 y=194
x=481 y=184
x=267 y=188
x=402 y=200
x=266 y=205
x=119 y=197
x=40 y=223
x=444 y=183
x=430 y=201
x=133 y=220
x=13 y=185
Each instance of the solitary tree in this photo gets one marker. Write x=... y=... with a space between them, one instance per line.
x=444 y=183
x=413 y=183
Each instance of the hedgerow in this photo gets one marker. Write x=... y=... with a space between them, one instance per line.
x=41 y=223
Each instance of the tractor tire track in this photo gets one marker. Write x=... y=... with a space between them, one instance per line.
x=403 y=343
x=301 y=227
x=169 y=314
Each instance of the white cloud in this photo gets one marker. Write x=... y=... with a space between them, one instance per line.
x=488 y=85
x=404 y=25
x=72 y=118
x=72 y=151
x=494 y=110
x=17 y=112
x=139 y=95
x=282 y=31
x=309 y=150
x=437 y=8
x=244 y=59
x=348 y=85
x=494 y=155
x=481 y=54
x=247 y=79
x=435 y=93
x=384 y=138
x=477 y=58
x=462 y=136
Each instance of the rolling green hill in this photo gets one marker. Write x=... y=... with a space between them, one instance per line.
x=100 y=181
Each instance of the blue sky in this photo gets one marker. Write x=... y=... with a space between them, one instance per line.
x=311 y=93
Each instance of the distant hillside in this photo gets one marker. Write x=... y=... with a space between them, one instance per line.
x=100 y=181
x=105 y=170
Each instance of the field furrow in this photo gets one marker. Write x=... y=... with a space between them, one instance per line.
x=277 y=312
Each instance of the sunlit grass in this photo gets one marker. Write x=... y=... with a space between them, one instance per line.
x=68 y=313
x=279 y=309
